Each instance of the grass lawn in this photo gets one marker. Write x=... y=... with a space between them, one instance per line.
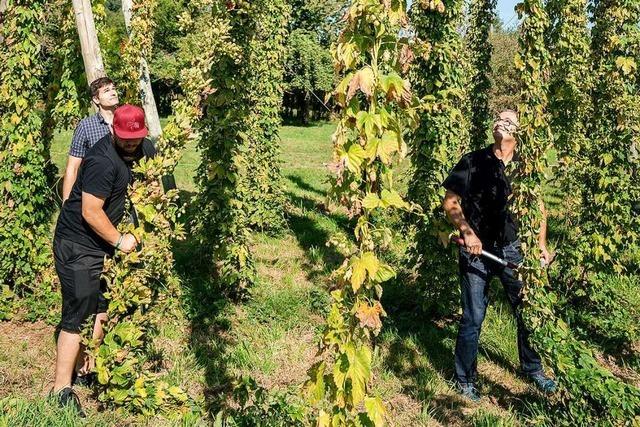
x=273 y=336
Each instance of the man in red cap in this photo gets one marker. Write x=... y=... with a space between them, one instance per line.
x=86 y=232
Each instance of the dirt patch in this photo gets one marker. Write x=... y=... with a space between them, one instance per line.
x=27 y=359
x=297 y=354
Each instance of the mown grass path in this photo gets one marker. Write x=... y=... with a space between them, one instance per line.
x=273 y=335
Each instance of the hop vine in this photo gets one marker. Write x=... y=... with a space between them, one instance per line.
x=589 y=393
x=25 y=175
x=378 y=109
x=440 y=76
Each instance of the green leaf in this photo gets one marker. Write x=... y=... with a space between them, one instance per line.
x=392 y=198
x=371 y=201
x=384 y=273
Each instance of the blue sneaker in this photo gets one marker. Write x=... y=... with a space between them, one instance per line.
x=469 y=391
x=544 y=383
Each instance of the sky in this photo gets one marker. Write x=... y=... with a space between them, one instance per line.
x=506 y=12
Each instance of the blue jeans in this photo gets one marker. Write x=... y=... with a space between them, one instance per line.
x=475 y=274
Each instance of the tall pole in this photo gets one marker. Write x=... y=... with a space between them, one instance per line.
x=3 y=8
x=146 y=93
x=91 y=55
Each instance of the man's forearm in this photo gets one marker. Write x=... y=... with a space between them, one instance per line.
x=67 y=184
x=99 y=222
x=454 y=212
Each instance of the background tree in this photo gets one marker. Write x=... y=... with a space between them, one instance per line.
x=506 y=86
x=308 y=76
x=440 y=77
x=309 y=72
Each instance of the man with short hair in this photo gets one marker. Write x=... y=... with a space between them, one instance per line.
x=90 y=129
x=86 y=232
x=477 y=203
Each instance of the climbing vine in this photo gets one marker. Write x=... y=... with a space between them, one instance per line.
x=612 y=182
x=239 y=178
x=138 y=45
x=441 y=76
x=482 y=16
x=378 y=109
x=588 y=392
x=139 y=297
x=25 y=177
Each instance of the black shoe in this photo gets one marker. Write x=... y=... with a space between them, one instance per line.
x=87 y=380
x=68 y=397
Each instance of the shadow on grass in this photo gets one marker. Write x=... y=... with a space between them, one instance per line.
x=205 y=306
x=421 y=352
x=303 y=185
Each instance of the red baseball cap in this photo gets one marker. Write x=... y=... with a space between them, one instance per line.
x=128 y=122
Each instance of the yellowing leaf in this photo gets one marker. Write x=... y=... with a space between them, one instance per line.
x=627 y=65
x=392 y=198
x=369 y=316
x=364 y=80
x=358 y=273
x=371 y=201
x=384 y=273
x=315 y=385
x=371 y=263
x=354 y=157
x=375 y=410
x=387 y=146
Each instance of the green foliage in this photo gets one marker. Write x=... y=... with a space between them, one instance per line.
x=506 y=85
x=440 y=77
x=138 y=45
x=143 y=284
x=239 y=178
x=589 y=393
x=260 y=408
x=610 y=227
x=482 y=15
x=321 y=17
x=67 y=95
x=378 y=109
x=308 y=69
x=25 y=177
x=570 y=102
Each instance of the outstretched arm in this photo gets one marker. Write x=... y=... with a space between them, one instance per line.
x=453 y=209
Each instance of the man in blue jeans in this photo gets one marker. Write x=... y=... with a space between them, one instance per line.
x=477 y=203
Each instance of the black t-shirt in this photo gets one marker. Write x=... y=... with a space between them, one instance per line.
x=103 y=173
x=480 y=180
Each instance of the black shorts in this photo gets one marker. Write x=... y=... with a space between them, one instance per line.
x=79 y=269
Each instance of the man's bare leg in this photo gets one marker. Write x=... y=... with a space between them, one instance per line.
x=98 y=333
x=66 y=353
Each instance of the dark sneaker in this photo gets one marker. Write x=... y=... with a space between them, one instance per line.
x=68 y=397
x=87 y=380
x=544 y=383
x=469 y=391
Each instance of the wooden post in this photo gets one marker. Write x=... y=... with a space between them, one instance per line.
x=146 y=93
x=91 y=55
x=3 y=8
